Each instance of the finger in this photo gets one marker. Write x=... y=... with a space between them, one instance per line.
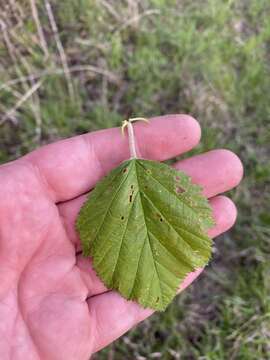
x=114 y=315
x=216 y=171
x=69 y=211
x=73 y=166
x=93 y=284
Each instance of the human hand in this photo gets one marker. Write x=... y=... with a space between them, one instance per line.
x=52 y=305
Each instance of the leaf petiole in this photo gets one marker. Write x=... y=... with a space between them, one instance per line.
x=131 y=135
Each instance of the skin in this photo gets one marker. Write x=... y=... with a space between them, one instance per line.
x=52 y=305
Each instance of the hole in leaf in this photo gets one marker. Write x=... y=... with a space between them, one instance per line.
x=132 y=186
x=131 y=194
x=125 y=170
x=161 y=219
x=122 y=217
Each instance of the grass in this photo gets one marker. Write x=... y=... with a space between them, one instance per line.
x=108 y=60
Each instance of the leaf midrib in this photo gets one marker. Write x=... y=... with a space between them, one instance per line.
x=146 y=237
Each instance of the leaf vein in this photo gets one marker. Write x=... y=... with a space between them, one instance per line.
x=167 y=221
x=167 y=250
x=172 y=193
x=122 y=238
x=108 y=208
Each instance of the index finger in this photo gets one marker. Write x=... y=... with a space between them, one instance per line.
x=73 y=166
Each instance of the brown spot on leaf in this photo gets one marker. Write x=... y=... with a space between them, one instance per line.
x=179 y=189
x=125 y=170
x=159 y=217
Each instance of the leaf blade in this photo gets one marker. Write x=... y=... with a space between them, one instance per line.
x=149 y=235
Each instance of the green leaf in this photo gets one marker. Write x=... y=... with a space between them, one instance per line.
x=144 y=225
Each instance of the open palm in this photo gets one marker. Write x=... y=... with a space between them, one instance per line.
x=52 y=305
